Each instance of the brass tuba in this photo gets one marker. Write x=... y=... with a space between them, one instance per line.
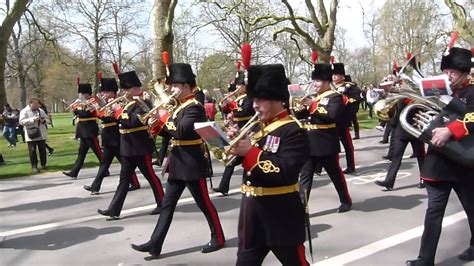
x=424 y=114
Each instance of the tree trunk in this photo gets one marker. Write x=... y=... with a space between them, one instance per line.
x=21 y=78
x=163 y=35
x=5 y=32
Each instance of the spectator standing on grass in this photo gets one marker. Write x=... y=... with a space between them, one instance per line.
x=34 y=120
x=10 y=118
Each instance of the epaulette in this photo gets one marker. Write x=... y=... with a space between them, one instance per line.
x=349 y=84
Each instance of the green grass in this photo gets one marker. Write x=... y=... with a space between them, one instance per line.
x=60 y=137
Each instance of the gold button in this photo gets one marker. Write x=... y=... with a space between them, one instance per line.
x=248 y=182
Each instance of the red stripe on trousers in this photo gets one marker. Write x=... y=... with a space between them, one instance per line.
x=212 y=211
x=156 y=181
x=97 y=146
x=301 y=255
x=351 y=146
x=343 y=180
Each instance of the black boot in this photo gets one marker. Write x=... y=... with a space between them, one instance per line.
x=467 y=255
x=383 y=184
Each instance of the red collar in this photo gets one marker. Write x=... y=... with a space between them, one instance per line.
x=190 y=96
x=278 y=116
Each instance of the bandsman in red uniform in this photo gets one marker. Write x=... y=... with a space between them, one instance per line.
x=442 y=174
x=87 y=130
x=239 y=111
x=110 y=137
x=271 y=213
x=136 y=147
x=323 y=112
x=188 y=166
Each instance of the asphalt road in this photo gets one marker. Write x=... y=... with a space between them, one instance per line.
x=48 y=219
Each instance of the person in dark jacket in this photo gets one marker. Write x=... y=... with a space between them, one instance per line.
x=271 y=213
x=110 y=136
x=323 y=112
x=442 y=174
x=188 y=166
x=239 y=111
x=87 y=130
x=136 y=146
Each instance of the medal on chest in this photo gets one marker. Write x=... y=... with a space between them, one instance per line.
x=271 y=144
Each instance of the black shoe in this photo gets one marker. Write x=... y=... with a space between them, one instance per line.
x=156 y=210
x=387 y=157
x=156 y=162
x=220 y=191
x=344 y=207
x=153 y=256
x=421 y=184
x=50 y=152
x=383 y=184
x=383 y=142
x=69 y=174
x=348 y=171
x=413 y=156
x=418 y=262
x=89 y=188
x=467 y=255
x=108 y=213
x=211 y=246
x=132 y=188
x=142 y=248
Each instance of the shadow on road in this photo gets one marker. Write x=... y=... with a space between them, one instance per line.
x=35 y=187
x=389 y=202
x=58 y=239
x=49 y=204
x=222 y=204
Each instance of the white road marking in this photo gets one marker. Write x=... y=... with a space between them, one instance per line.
x=386 y=243
x=96 y=217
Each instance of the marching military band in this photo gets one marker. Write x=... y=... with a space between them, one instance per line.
x=279 y=158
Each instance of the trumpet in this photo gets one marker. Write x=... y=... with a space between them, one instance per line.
x=223 y=154
x=228 y=95
x=89 y=104
x=168 y=102
x=122 y=100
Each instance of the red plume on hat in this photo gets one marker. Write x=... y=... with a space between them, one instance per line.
x=454 y=37
x=395 y=68
x=99 y=75
x=237 y=68
x=78 y=80
x=408 y=56
x=116 y=68
x=166 y=61
x=314 y=57
x=246 y=53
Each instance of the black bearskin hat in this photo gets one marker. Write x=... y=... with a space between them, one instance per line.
x=181 y=73
x=458 y=58
x=338 y=68
x=268 y=82
x=240 y=78
x=322 y=71
x=348 y=78
x=231 y=87
x=129 y=80
x=85 y=88
x=108 y=84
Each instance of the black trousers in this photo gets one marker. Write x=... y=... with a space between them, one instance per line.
x=41 y=144
x=84 y=145
x=174 y=189
x=108 y=154
x=355 y=123
x=126 y=172
x=399 y=147
x=438 y=195
x=331 y=165
x=346 y=140
x=226 y=176
x=287 y=255
x=165 y=141
x=387 y=133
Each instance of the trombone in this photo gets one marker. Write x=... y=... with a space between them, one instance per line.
x=228 y=95
x=122 y=100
